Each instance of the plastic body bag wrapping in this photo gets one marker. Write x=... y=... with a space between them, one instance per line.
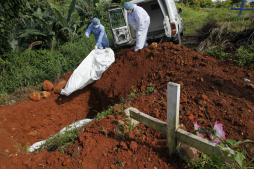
x=75 y=125
x=89 y=70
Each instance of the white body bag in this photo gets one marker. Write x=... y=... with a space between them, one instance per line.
x=89 y=70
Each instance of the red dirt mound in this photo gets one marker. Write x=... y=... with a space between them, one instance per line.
x=211 y=89
x=100 y=146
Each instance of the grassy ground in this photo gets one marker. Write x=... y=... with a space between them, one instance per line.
x=193 y=20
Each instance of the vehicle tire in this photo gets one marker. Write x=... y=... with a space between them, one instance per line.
x=178 y=41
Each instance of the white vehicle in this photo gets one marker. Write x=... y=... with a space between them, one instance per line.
x=165 y=21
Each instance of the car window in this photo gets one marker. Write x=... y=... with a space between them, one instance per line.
x=116 y=18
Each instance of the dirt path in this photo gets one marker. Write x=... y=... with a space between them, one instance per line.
x=209 y=87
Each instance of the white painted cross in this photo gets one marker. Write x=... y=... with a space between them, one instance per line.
x=174 y=134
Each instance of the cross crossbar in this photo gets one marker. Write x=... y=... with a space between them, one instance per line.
x=241 y=8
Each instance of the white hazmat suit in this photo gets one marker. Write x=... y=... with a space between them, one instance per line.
x=141 y=20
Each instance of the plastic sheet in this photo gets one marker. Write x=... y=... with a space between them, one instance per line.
x=89 y=70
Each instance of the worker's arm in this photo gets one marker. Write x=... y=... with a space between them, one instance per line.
x=131 y=19
x=139 y=19
x=102 y=32
x=88 y=30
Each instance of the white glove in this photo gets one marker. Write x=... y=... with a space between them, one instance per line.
x=87 y=36
x=134 y=27
x=139 y=33
x=96 y=47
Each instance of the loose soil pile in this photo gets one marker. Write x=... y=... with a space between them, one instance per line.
x=210 y=88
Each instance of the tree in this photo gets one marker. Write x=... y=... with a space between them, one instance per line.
x=9 y=10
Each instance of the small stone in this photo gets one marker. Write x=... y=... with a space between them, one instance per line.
x=201 y=102
x=181 y=126
x=13 y=129
x=35 y=96
x=133 y=146
x=46 y=94
x=184 y=100
x=119 y=117
x=249 y=75
x=250 y=85
x=123 y=145
x=59 y=86
x=190 y=152
x=47 y=85
x=177 y=62
x=33 y=133
x=204 y=97
x=154 y=45
x=201 y=79
x=110 y=116
x=201 y=108
x=66 y=161
x=114 y=148
x=13 y=101
x=76 y=151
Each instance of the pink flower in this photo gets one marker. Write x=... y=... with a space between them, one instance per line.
x=196 y=127
x=219 y=132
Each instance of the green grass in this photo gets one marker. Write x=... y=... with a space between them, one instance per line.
x=61 y=141
x=223 y=15
x=193 y=20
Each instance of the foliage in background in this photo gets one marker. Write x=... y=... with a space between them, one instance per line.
x=9 y=10
x=223 y=4
x=52 y=25
x=225 y=44
x=191 y=19
x=245 y=56
x=197 y=4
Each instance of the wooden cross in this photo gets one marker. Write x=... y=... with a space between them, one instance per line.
x=171 y=130
x=241 y=8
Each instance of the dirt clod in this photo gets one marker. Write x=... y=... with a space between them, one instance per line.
x=133 y=145
x=36 y=96
x=46 y=94
x=47 y=85
x=66 y=161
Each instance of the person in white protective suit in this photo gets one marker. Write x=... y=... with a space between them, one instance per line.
x=99 y=33
x=139 y=21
